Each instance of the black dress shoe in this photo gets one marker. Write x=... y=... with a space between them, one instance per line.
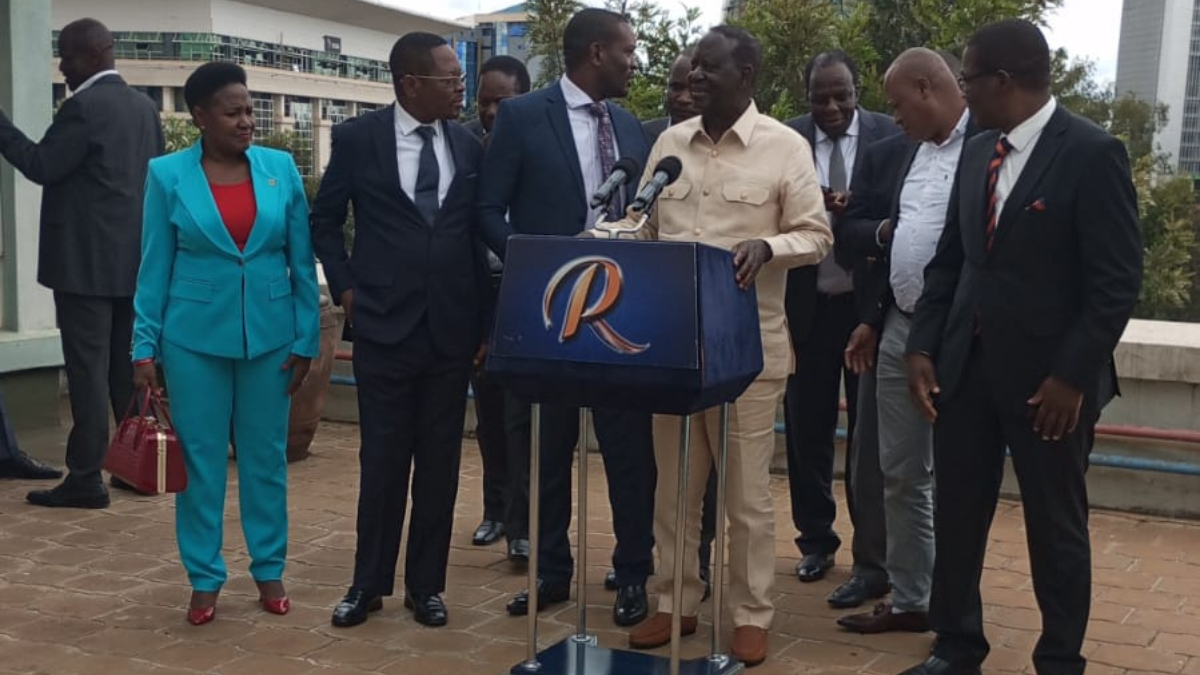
x=548 y=594
x=488 y=532
x=119 y=484
x=855 y=592
x=71 y=497
x=426 y=609
x=354 y=607
x=631 y=606
x=813 y=566
x=21 y=465
x=610 y=580
x=936 y=666
x=518 y=550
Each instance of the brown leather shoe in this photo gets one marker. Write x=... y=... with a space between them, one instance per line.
x=656 y=631
x=883 y=620
x=749 y=645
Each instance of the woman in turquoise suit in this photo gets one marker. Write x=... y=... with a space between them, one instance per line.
x=226 y=302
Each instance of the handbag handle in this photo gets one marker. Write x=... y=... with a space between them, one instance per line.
x=150 y=401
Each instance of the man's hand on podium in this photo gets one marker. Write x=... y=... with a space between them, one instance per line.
x=748 y=259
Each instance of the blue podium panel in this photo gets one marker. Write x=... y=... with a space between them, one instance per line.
x=648 y=326
x=570 y=658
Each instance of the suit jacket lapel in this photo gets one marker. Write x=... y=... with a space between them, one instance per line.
x=385 y=146
x=556 y=108
x=197 y=198
x=458 y=150
x=268 y=190
x=972 y=188
x=1044 y=152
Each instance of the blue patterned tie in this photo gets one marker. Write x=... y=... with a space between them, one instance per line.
x=425 y=194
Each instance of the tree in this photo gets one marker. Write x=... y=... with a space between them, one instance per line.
x=547 y=22
x=179 y=133
x=661 y=38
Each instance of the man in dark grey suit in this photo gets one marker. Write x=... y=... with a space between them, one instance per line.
x=680 y=106
x=822 y=311
x=92 y=164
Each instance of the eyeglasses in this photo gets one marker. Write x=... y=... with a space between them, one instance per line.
x=965 y=79
x=461 y=78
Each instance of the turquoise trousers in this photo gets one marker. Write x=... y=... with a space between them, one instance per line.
x=209 y=396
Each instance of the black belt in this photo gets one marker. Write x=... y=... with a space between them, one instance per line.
x=907 y=315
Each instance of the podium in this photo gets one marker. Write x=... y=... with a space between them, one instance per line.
x=657 y=327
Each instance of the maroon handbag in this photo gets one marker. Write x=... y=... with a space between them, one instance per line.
x=145 y=452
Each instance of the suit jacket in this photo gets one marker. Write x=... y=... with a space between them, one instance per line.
x=654 y=128
x=92 y=166
x=401 y=268
x=1054 y=294
x=475 y=127
x=198 y=291
x=531 y=170
x=886 y=166
x=802 y=281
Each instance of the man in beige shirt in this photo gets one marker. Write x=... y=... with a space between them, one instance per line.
x=753 y=191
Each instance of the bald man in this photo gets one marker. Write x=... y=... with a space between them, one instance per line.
x=897 y=216
x=92 y=165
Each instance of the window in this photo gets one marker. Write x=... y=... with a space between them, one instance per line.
x=264 y=115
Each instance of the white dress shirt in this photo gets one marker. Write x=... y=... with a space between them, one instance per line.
x=1024 y=138
x=585 y=128
x=831 y=278
x=924 y=200
x=92 y=80
x=408 y=154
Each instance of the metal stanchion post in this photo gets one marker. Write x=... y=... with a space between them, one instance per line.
x=716 y=656
x=535 y=494
x=685 y=442
x=581 y=635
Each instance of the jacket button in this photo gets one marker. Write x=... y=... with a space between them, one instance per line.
x=241 y=263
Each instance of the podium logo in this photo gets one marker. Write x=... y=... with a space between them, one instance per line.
x=587 y=272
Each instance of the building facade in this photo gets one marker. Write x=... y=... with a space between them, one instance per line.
x=503 y=32
x=1159 y=61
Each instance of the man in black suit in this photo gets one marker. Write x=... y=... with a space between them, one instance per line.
x=550 y=151
x=821 y=313
x=414 y=288
x=92 y=163
x=505 y=484
x=680 y=106
x=1034 y=280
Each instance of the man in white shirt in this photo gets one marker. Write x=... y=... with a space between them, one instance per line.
x=929 y=107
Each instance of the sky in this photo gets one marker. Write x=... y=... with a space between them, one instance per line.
x=1086 y=28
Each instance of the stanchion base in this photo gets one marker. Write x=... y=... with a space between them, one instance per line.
x=571 y=658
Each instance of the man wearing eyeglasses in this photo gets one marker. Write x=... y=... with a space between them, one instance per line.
x=415 y=291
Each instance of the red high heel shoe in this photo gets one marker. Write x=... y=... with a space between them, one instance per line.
x=278 y=606
x=198 y=616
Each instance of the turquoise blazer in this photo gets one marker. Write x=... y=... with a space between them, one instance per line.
x=196 y=290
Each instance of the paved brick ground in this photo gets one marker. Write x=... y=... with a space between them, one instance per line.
x=85 y=592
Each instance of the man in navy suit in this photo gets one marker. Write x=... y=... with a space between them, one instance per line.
x=548 y=153
x=414 y=290
x=822 y=310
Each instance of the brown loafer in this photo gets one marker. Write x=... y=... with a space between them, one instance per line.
x=749 y=645
x=883 y=620
x=656 y=631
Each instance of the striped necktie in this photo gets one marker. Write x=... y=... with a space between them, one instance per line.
x=1003 y=147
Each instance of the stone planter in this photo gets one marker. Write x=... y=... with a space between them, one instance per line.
x=309 y=402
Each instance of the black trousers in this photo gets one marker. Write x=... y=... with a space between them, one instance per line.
x=986 y=414
x=811 y=413
x=492 y=437
x=627 y=448
x=97 y=336
x=410 y=403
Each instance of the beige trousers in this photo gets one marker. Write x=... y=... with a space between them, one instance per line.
x=751 y=570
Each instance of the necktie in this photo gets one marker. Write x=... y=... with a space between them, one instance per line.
x=837 y=168
x=1003 y=147
x=607 y=148
x=425 y=194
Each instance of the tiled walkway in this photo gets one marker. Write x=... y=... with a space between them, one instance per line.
x=102 y=592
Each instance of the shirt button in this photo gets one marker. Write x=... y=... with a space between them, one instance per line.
x=713 y=153
x=706 y=192
x=696 y=231
x=743 y=195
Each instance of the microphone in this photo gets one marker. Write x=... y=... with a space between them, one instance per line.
x=624 y=171
x=665 y=173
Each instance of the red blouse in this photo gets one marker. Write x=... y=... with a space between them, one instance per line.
x=238 y=210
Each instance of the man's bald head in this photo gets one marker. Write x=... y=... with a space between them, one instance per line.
x=86 y=48
x=924 y=93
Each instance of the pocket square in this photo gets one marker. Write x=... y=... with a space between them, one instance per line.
x=1038 y=204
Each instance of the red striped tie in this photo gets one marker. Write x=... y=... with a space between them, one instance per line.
x=1003 y=147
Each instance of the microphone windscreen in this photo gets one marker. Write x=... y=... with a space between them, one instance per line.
x=630 y=166
x=671 y=166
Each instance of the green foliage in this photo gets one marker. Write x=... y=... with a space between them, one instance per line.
x=1074 y=85
x=1167 y=209
x=661 y=38
x=179 y=133
x=547 y=21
